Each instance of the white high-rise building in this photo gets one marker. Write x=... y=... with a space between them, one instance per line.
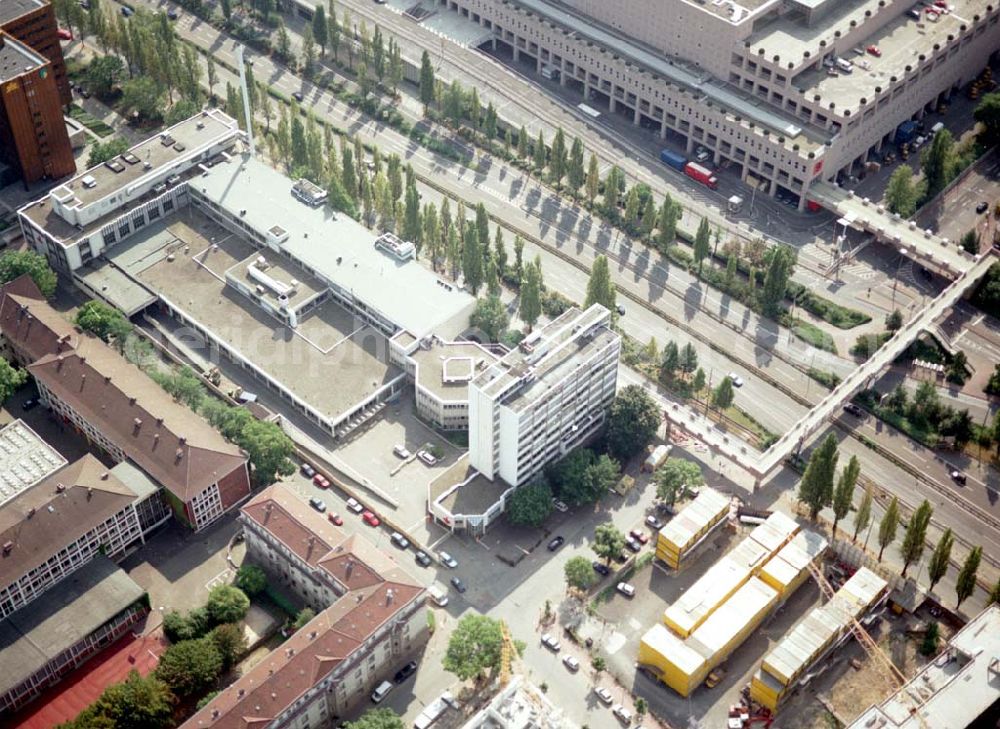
x=544 y=398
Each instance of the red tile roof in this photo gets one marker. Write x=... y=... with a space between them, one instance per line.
x=169 y=441
x=45 y=518
x=30 y=324
x=377 y=587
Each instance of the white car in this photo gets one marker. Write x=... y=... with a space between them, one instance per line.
x=603 y=694
x=353 y=505
x=626 y=589
x=571 y=663
x=559 y=505
x=447 y=560
x=551 y=643
x=401 y=451
x=622 y=714
x=427 y=458
x=735 y=379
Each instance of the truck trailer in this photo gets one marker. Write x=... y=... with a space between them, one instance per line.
x=677 y=161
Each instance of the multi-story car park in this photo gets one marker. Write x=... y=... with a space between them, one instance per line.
x=371 y=614
x=764 y=85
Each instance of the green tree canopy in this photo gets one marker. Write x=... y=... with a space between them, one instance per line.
x=780 y=265
x=723 y=394
x=17 y=263
x=701 y=247
x=229 y=640
x=843 y=494
x=608 y=541
x=600 y=290
x=816 y=486
x=902 y=193
x=937 y=162
x=864 y=516
x=675 y=475
x=916 y=534
x=474 y=647
x=104 y=73
x=490 y=316
x=190 y=667
x=530 y=505
x=579 y=573
x=941 y=557
x=888 y=526
x=377 y=719
x=103 y=321
x=966 y=583
x=302 y=619
x=987 y=113
x=568 y=475
x=138 y=702
x=227 y=604
x=143 y=96
x=531 y=296
x=633 y=420
x=11 y=378
x=251 y=579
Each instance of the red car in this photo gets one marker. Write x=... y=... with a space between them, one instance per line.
x=638 y=536
x=64 y=34
x=875 y=51
x=335 y=518
x=321 y=481
x=370 y=518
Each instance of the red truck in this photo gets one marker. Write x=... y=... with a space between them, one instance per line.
x=702 y=174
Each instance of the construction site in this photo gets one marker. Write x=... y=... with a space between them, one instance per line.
x=737 y=638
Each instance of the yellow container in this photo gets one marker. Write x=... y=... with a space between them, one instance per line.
x=676 y=664
x=766 y=690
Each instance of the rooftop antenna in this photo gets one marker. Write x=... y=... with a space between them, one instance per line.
x=246 y=98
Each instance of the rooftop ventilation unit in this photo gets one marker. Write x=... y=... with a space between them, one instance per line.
x=88 y=181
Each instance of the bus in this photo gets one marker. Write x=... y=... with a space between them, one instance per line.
x=592 y=113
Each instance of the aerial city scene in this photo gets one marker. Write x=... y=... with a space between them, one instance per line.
x=499 y=364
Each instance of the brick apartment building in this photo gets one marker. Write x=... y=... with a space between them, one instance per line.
x=117 y=407
x=371 y=615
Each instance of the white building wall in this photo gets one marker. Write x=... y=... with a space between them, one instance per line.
x=482 y=413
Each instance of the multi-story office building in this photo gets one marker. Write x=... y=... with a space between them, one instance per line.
x=33 y=137
x=371 y=614
x=785 y=92
x=79 y=617
x=543 y=399
x=33 y=22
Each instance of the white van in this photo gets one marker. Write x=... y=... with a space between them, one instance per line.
x=438 y=596
x=937 y=128
x=381 y=692
x=845 y=65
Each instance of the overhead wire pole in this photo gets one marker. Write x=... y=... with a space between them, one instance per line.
x=246 y=99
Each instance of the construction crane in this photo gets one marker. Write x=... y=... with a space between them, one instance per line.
x=507 y=653
x=896 y=677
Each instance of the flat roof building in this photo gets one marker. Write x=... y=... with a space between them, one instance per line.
x=954 y=689
x=33 y=22
x=371 y=612
x=33 y=136
x=79 y=617
x=520 y=705
x=25 y=459
x=543 y=399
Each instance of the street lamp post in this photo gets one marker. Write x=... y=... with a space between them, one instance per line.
x=895 y=279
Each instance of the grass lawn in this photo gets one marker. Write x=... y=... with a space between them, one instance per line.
x=814 y=335
x=91 y=122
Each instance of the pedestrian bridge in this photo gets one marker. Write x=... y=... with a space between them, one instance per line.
x=936 y=254
x=761 y=464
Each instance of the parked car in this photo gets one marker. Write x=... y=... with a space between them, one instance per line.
x=64 y=34
x=875 y=51
x=335 y=518
x=633 y=545
x=318 y=504
x=321 y=481
x=307 y=470
x=715 y=677
x=401 y=452
x=353 y=505
x=173 y=14
x=556 y=543
x=653 y=522
x=603 y=695
x=957 y=476
x=622 y=714
x=399 y=540
x=638 y=536
x=426 y=457
x=982 y=207
x=127 y=11
x=601 y=568
x=665 y=508
x=852 y=409
x=458 y=584
x=29 y=404
x=422 y=559
x=551 y=643
x=370 y=518
x=559 y=505
x=447 y=560
x=405 y=672
x=571 y=663
x=626 y=589
x=297 y=95
x=620 y=309
x=735 y=378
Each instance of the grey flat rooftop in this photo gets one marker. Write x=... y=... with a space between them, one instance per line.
x=17 y=59
x=953 y=690
x=455 y=27
x=25 y=459
x=10 y=9
x=111 y=283
x=331 y=361
x=337 y=248
x=454 y=358
x=733 y=100
x=68 y=612
x=135 y=479
x=471 y=499
x=306 y=287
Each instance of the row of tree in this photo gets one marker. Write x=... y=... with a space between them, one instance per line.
x=819 y=488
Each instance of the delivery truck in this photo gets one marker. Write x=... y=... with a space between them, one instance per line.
x=677 y=161
x=702 y=174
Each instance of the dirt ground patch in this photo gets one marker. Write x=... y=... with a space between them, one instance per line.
x=843 y=692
